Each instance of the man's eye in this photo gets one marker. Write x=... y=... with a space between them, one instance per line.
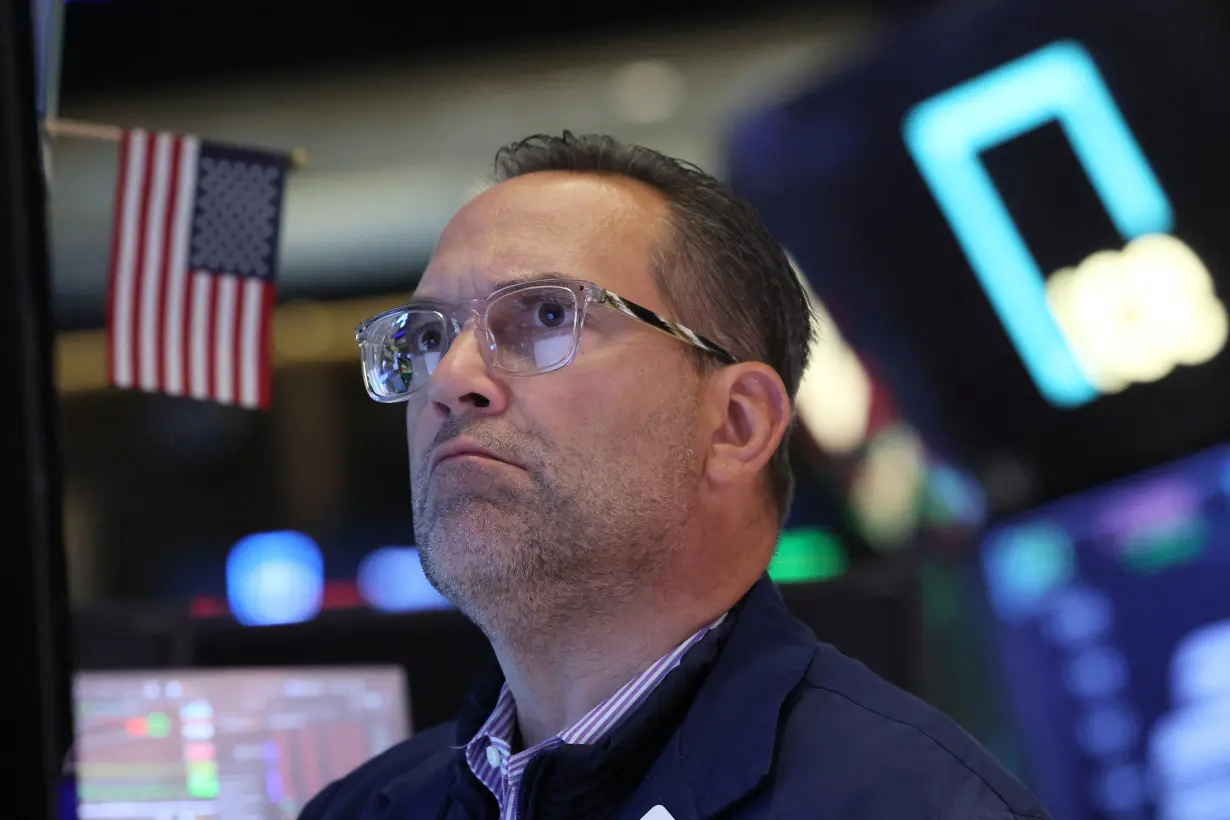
x=552 y=314
x=428 y=341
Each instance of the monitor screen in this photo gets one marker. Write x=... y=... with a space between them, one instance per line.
x=1112 y=619
x=240 y=744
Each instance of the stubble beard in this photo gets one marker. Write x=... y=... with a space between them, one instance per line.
x=579 y=538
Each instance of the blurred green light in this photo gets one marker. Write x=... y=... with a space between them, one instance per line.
x=1168 y=546
x=807 y=554
x=158 y=724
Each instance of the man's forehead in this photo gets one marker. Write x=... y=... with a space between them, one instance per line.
x=564 y=225
x=478 y=282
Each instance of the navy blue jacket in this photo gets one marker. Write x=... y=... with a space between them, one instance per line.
x=760 y=720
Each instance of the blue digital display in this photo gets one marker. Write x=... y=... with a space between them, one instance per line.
x=1112 y=622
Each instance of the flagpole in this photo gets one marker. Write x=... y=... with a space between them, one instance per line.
x=83 y=130
x=114 y=133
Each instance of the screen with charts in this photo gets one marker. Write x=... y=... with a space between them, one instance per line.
x=1112 y=621
x=239 y=744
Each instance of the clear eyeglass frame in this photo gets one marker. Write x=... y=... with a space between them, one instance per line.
x=384 y=365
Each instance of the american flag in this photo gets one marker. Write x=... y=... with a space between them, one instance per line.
x=193 y=268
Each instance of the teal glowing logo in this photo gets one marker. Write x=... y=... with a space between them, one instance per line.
x=946 y=133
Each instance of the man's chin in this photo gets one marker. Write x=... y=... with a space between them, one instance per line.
x=471 y=521
x=452 y=505
x=466 y=575
x=475 y=533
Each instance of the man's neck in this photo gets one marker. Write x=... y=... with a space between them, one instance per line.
x=559 y=665
x=557 y=681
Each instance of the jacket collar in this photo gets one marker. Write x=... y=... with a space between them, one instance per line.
x=703 y=739
x=725 y=747
x=430 y=783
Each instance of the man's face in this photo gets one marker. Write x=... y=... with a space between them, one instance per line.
x=596 y=464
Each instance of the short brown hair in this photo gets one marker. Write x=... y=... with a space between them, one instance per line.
x=722 y=273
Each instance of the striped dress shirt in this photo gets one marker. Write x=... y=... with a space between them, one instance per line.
x=490 y=755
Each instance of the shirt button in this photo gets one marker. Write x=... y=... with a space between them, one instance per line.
x=494 y=757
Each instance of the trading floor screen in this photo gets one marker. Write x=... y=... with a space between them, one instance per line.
x=235 y=743
x=1112 y=616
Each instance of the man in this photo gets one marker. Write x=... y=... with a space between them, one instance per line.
x=598 y=368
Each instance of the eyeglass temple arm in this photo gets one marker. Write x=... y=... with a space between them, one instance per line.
x=661 y=323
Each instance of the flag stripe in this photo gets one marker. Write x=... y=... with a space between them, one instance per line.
x=224 y=339
x=250 y=342
x=127 y=238
x=268 y=301
x=202 y=318
x=237 y=339
x=122 y=188
x=175 y=359
x=142 y=246
x=211 y=313
x=159 y=343
x=150 y=295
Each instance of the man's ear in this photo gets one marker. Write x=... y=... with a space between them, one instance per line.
x=752 y=412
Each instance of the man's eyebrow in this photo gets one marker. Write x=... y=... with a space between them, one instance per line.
x=426 y=301
x=522 y=279
x=526 y=278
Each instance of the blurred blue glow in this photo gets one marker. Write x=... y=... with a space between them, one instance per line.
x=1080 y=616
x=958 y=493
x=275 y=578
x=391 y=579
x=1123 y=788
x=1108 y=729
x=945 y=134
x=1024 y=565
x=1099 y=672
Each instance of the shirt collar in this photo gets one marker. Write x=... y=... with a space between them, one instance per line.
x=489 y=752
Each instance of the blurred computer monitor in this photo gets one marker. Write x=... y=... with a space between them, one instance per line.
x=239 y=744
x=1111 y=616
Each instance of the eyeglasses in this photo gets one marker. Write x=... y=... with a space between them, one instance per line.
x=525 y=329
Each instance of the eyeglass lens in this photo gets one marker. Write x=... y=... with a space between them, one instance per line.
x=534 y=330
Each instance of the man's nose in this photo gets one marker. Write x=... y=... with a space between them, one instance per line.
x=462 y=381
